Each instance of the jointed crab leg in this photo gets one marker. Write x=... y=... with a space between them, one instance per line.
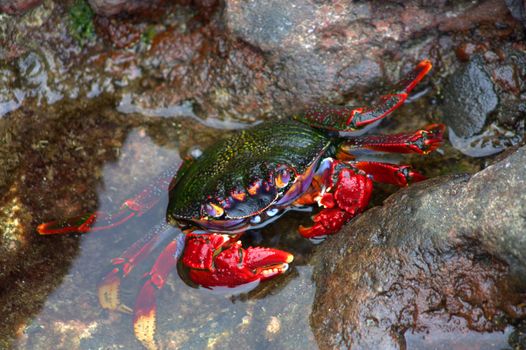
x=410 y=80
x=345 y=118
x=400 y=175
x=145 y=304
x=109 y=288
x=421 y=141
x=132 y=207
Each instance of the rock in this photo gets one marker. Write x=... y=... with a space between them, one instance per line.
x=141 y=8
x=114 y=7
x=17 y=7
x=517 y=9
x=469 y=99
x=442 y=257
x=321 y=51
x=483 y=100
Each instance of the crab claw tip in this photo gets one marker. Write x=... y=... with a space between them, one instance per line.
x=267 y=258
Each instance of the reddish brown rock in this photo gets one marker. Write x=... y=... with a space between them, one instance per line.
x=17 y=7
x=442 y=257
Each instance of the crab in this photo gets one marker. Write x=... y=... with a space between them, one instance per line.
x=247 y=181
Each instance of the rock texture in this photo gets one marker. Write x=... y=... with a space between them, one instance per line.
x=16 y=7
x=448 y=254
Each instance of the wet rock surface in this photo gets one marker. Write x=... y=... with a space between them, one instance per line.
x=93 y=104
x=518 y=9
x=484 y=101
x=451 y=251
x=469 y=99
x=115 y=7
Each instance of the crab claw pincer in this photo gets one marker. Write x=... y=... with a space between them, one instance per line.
x=225 y=263
x=428 y=139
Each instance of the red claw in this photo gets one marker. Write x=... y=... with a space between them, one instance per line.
x=327 y=222
x=423 y=141
x=350 y=195
x=220 y=261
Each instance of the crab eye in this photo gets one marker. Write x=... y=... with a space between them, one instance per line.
x=214 y=210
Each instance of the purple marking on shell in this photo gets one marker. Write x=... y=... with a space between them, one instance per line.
x=214 y=210
x=292 y=194
x=220 y=225
x=283 y=177
x=307 y=178
x=302 y=184
x=227 y=203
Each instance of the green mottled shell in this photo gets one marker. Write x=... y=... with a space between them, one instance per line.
x=236 y=162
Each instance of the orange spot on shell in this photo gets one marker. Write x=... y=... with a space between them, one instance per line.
x=239 y=196
x=253 y=189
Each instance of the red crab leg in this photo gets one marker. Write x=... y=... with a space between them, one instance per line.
x=346 y=118
x=132 y=207
x=410 y=80
x=109 y=296
x=400 y=175
x=421 y=141
x=145 y=304
x=346 y=193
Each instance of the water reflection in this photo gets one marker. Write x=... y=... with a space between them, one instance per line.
x=72 y=318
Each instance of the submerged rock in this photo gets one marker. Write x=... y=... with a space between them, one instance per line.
x=442 y=257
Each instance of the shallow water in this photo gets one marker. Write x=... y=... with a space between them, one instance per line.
x=97 y=169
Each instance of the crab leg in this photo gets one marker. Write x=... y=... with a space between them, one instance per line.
x=346 y=118
x=344 y=191
x=133 y=207
x=109 y=296
x=422 y=141
x=145 y=305
x=400 y=175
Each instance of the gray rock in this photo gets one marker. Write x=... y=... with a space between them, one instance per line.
x=446 y=255
x=469 y=99
x=325 y=51
x=517 y=9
